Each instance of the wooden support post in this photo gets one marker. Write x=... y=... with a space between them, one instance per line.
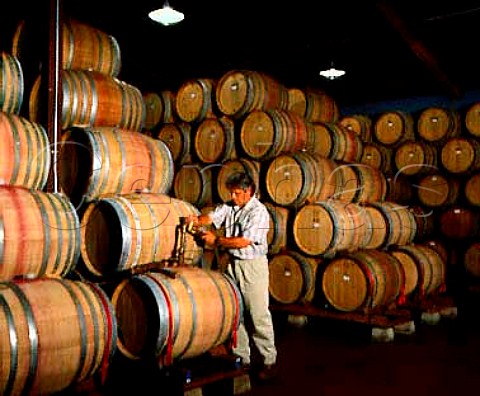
x=54 y=89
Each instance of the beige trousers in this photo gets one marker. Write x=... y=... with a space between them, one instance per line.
x=252 y=279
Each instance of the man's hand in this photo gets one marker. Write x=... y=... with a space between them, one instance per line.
x=209 y=237
x=192 y=219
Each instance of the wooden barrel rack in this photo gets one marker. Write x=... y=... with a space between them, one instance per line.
x=216 y=373
x=385 y=322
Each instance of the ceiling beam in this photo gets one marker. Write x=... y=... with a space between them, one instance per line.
x=418 y=48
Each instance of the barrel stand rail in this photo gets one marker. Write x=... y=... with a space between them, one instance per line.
x=206 y=375
x=384 y=324
x=433 y=308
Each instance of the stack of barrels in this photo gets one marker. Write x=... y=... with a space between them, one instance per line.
x=436 y=152
x=117 y=177
x=42 y=350
x=329 y=188
x=40 y=231
x=112 y=213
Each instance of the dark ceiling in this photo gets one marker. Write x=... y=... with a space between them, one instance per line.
x=391 y=49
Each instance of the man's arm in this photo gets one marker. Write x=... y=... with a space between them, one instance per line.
x=231 y=242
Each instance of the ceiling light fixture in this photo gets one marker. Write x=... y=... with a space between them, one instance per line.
x=332 y=73
x=166 y=15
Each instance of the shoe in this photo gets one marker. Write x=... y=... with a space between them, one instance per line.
x=267 y=372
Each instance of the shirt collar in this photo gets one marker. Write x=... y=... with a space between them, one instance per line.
x=246 y=206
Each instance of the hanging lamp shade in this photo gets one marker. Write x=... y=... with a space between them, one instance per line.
x=166 y=15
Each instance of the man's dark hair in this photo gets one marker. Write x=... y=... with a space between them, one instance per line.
x=241 y=180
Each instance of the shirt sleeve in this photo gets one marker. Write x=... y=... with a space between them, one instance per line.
x=218 y=215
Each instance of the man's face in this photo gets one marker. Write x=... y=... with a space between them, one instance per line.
x=240 y=196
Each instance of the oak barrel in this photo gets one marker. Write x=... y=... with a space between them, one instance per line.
x=437 y=124
x=471 y=259
x=377 y=228
x=333 y=141
x=413 y=158
x=180 y=313
x=292 y=277
x=193 y=183
x=83 y=47
x=121 y=232
x=438 y=190
x=322 y=139
x=40 y=234
x=239 y=92
x=377 y=156
x=361 y=124
x=401 y=224
x=98 y=161
x=410 y=269
x=459 y=222
x=297 y=101
x=471 y=189
x=56 y=333
x=194 y=100
x=461 y=155
x=93 y=99
x=323 y=228
x=360 y=183
x=321 y=107
x=278 y=231
x=153 y=110
x=393 y=128
x=296 y=178
x=430 y=267
x=362 y=280
x=214 y=140
x=11 y=84
x=178 y=138
x=348 y=147
x=25 y=153
x=265 y=134
x=159 y=109
x=472 y=119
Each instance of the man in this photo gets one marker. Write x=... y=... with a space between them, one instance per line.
x=246 y=223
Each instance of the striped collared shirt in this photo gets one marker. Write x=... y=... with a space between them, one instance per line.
x=252 y=221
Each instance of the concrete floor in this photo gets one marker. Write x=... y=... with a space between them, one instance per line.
x=328 y=358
